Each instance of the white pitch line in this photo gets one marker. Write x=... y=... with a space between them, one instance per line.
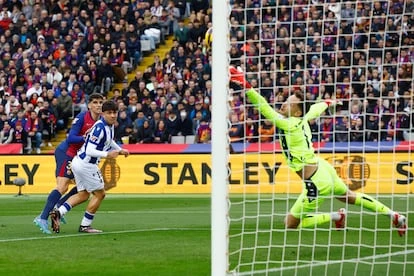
x=59 y=236
x=354 y=260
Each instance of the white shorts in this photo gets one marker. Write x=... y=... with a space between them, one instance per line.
x=87 y=176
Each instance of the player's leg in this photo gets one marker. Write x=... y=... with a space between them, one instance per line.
x=63 y=176
x=316 y=189
x=56 y=214
x=360 y=199
x=91 y=178
x=370 y=203
x=64 y=198
x=90 y=212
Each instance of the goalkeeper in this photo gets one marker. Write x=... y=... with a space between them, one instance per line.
x=320 y=179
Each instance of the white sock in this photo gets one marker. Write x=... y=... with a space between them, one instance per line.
x=64 y=208
x=335 y=216
x=87 y=219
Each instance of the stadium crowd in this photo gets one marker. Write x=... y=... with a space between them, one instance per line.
x=56 y=53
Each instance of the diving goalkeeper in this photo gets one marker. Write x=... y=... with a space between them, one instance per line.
x=320 y=179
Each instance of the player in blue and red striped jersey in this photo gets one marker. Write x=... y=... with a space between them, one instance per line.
x=63 y=157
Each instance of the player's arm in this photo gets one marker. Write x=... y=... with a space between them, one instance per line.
x=92 y=142
x=317 y=109
x=121 y=151
x=268 y=112
x=74 y=135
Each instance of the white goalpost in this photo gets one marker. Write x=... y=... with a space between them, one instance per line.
x=361 y=52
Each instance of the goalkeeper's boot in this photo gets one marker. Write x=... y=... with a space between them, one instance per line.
x=237 y=76
x=400 y=222
x=55 y=219
x=88 y=229
x=340 y=224
x=42 y=224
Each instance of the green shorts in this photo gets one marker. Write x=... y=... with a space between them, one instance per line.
x=323 y=184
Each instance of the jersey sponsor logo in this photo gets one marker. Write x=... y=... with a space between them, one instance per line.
x=93 y=138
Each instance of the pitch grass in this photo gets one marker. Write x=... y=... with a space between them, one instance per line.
x=170 y=235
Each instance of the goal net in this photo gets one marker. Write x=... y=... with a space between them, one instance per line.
x=360 y=52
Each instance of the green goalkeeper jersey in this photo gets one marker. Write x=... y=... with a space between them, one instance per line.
x=295 y=133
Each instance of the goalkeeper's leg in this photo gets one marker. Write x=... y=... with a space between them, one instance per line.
x=370 y=203
x=302 y=214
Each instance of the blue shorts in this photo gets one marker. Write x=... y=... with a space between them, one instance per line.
x=63 y=164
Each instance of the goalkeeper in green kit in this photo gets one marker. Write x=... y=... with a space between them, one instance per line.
x=320 y=179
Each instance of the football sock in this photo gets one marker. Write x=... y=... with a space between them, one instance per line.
x=52 y=199
x=64 y=208
x=371 y=204
x=87 y=219
x=73 y=191
x=315 y=219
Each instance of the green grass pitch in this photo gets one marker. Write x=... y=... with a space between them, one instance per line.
x=170 y=235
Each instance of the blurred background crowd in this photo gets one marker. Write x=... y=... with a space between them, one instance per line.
x=54 y=54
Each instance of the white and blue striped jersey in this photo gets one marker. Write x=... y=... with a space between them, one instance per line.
x=98 y=142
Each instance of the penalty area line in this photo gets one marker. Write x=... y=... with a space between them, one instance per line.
x=59 y=236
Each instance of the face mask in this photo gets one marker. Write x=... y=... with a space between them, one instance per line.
x=183 y=114
x=206 y=100
x=174 y=102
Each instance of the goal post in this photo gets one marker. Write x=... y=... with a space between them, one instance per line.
x=361 y=52
x=220 y=140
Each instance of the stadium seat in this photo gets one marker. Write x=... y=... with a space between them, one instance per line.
x=190 y=139
x=145 y=46
x=408 y=136
x=177 y=140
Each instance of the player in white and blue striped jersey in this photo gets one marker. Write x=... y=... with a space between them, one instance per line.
x=99 y=144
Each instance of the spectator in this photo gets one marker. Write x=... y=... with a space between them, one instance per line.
x=236 y=131
x=78 y=99
x=105 y=76
x=33 y=128
x=6 y=134
x=133 y=45
x=161 y=135
x=251 y=130
x=185 y=125
x=145 y=134
x=172 y=123
x=64 y=107
x=266 y=131
x=181 y=34
x=123 y=127
x=48 y=119
x=326 y=129
x=203 y=135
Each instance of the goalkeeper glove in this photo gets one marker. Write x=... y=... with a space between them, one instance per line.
x=237 y=76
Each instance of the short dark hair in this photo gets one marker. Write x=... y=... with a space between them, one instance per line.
x=109 y=106
x=95 y=96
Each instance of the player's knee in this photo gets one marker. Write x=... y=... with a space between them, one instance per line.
x=62 y=185
x=291 y=222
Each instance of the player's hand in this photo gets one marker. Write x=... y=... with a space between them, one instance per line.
x=113 y=154
x=332 y=102
x=124 y=152
x=237 y=76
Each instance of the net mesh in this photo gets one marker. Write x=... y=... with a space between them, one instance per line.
x=362 y=53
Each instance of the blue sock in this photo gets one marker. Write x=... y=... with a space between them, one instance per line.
x=52 y=199
x=73 y=191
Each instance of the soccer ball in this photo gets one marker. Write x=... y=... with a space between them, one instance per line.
x=208 y=38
